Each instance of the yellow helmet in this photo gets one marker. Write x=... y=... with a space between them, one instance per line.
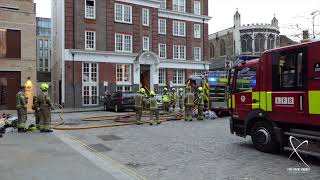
x=165 y=89
x=44 y=87
x=181 y=90
x=142 y=90
x=152 y=93
x=200 y=89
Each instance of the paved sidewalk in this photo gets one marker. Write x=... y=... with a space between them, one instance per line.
x=66 y=110
x=39 y=156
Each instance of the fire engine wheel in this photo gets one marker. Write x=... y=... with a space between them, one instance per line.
x=263 y=137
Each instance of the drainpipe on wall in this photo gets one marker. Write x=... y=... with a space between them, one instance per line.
x=73 y=84
x=203 y=44
x=74 y=47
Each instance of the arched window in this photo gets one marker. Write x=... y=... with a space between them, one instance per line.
x=259 y=42
x=211 y=50
x=222 y=48
x=246 y=43
x=271 y=40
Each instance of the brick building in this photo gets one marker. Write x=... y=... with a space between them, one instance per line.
x=121 y=45
x=17 y=50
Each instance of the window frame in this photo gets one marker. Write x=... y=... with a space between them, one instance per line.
x=194 y=53
x=164 y=83
x=276 y=76
x=94 y=40
x=176 y=78
x=123 y=44
x=123 y=20
x=123 y=67
x=94 y=10
x=160 y=30
x=197 y=7
x=197 y=31
x=145 y=17
x=179 y=52
x=179 y=4
x=90 y=84
x=179 y=26
x=163 y=4
x=146 y=41
x=165 y=45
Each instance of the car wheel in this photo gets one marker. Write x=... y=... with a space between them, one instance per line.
x=263 y=137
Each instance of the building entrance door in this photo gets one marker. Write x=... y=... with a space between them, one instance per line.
x=145 y=76
x=9 y=87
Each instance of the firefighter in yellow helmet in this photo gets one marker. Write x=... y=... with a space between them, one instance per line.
x=181 y=98
x=139 y=100
x=200 y=103
x=173 y=98
x=154 y=109
x=189 y=103
x=166 y=100
x=44 y=104
x=21 y=105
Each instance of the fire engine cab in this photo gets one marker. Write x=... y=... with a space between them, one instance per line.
x=277 y=97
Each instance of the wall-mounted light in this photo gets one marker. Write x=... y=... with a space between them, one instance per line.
x=28 y=84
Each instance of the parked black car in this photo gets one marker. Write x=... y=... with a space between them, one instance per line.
x=119 y=101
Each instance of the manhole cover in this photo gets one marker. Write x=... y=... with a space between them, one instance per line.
x=109 y=137
x=99 y=147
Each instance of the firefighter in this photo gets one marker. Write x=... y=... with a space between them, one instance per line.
x=139 y=104
x=173 y=98
x=154 y=109
x=188 y=101
x=21 y=106
x=166 y=100
x=35 y=107
x=44 y=104
x=200 y=104
x=180 y=97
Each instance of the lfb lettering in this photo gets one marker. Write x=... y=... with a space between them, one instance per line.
x=284 y=100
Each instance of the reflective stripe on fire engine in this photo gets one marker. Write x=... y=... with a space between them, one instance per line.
x=314 y=103
x=264 y=100
x=206 y=91
x=231 y=101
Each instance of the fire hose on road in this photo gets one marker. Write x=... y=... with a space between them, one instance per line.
x=121 y=120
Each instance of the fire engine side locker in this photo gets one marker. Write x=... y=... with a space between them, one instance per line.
x=314 y=83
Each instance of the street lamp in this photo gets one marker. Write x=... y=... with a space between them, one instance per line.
x=314 y=15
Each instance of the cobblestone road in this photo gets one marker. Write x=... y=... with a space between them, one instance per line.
x=192 y=151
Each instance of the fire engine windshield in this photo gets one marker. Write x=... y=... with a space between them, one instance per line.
x=246 y=79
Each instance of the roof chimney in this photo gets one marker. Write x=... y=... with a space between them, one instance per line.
x=305 y=36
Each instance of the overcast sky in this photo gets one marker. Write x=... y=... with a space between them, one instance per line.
x=290 y=13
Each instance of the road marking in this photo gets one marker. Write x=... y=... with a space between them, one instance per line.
x=101 y=160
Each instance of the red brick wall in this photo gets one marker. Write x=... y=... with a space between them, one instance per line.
x=206 y=43
x=169 y=4
x=69 y=24
x=155 y=37
x=190 y=38
x=205 y=7
x=188 y=73
x=107 y=72
x=77 y=72
x=110 y=26
x=169 y=39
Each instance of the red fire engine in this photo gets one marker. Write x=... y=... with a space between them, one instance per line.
x=278 y=96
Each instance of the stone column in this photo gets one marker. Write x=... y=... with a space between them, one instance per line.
x=253 y=45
